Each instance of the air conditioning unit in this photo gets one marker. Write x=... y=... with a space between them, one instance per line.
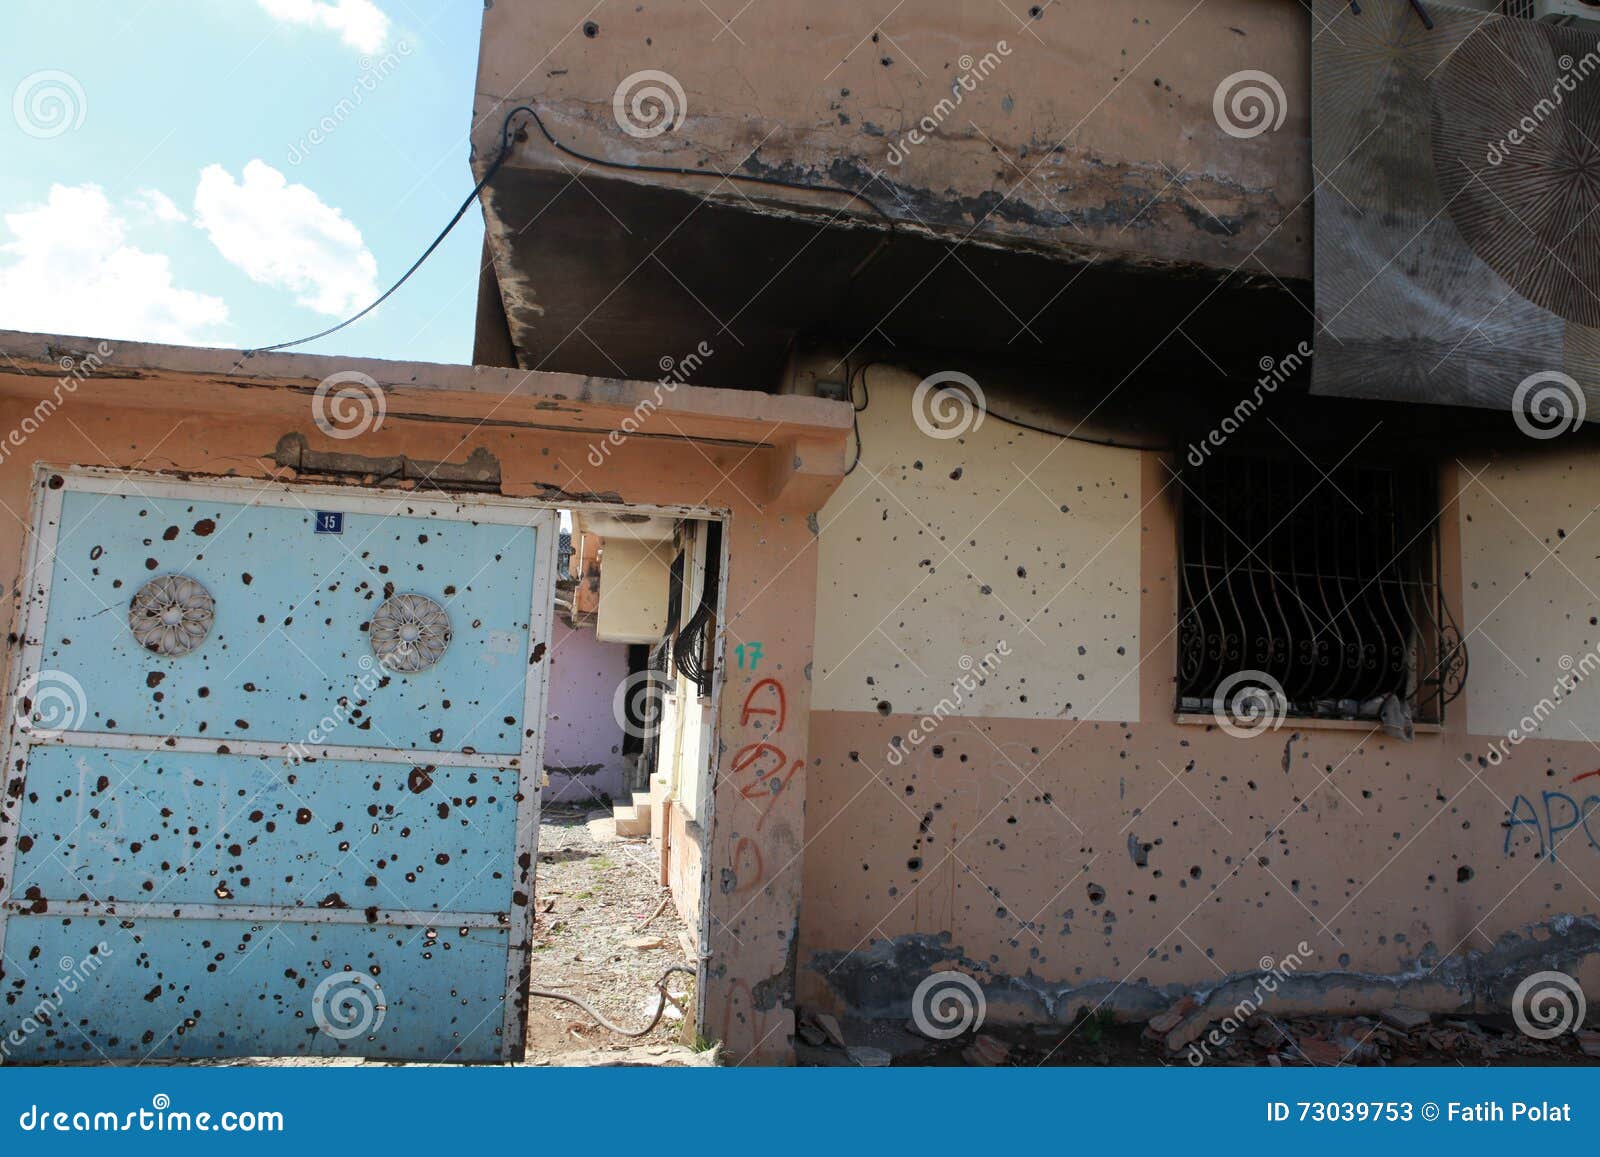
x=1552 y=11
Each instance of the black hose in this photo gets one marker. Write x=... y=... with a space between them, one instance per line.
x=661 y=1009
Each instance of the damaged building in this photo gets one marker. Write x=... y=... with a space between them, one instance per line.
x=1059 y=508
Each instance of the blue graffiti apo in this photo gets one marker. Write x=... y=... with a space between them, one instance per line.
x=1560 y=818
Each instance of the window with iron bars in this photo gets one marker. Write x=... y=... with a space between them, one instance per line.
x=1321 y=590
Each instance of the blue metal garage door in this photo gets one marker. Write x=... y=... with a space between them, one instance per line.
x=271 y=787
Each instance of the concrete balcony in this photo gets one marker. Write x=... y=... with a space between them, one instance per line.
x=1035 y=184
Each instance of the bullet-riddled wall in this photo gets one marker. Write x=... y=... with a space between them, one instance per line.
x=1057 y=832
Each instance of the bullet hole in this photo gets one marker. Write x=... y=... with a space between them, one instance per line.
x=169 y=534
x=419 y=780
x=591 y=29
x=914 y=863
x=436 y=735
x=1097 y=894
x=1463 y=874
x=247 y=578
x=153 y=679
x=883 y=707
x=302 y=815
x=1036 y=12
x=1194 y=872
x=1022 y=572
x=204 y=527
x=150 y=564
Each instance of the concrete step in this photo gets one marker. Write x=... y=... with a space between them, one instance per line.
x=634 y=819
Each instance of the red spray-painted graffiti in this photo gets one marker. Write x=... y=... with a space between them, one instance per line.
x=763 y=767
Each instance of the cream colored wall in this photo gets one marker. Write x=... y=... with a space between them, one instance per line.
x=634 y=581
x=1052 y=526
x=1530 y=573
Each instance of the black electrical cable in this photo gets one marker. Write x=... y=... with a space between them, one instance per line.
x=500 y=159
x=866 y=400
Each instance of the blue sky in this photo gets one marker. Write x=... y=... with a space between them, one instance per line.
x=238 y=172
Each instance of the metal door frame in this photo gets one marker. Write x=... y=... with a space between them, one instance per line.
x=45 y=516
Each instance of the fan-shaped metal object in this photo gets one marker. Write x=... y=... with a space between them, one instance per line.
x=171 y=615
x=409 y=633
x=1516 y=147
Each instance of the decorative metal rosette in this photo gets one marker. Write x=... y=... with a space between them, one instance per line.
x=171 y=615
x=409 y=633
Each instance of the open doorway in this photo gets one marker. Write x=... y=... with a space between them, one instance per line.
x=629 y=730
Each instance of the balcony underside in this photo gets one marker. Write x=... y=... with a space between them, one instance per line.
x=605 y=275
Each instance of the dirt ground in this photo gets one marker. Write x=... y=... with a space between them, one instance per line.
x=601 y=934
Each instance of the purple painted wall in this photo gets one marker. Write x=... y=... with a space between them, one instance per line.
x=584 y=676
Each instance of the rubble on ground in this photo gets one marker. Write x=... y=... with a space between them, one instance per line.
x=1189 y=1034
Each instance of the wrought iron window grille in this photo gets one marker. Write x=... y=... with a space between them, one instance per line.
x=1324 y=589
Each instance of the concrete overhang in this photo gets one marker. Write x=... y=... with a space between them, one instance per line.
x=1098 y=202
x=803 y=439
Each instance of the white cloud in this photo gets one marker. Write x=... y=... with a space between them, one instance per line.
x=154 y=203
x=360 y=23
x=282 y=235
x=68 y=269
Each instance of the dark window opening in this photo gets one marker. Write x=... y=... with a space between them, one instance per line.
x=1315 y=595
